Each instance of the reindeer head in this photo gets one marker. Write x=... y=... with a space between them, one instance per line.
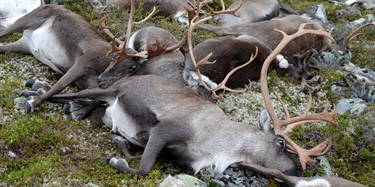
x=137 y=48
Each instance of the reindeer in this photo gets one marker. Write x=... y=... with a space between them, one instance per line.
x=264 y=32
x=71 y=46
x=294 y=56
x=151 y=111
x=166 y=7
x=251 y=11
x=229 y=53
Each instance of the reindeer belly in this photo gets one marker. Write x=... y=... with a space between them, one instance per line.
x=45 y=46
x=123 y=123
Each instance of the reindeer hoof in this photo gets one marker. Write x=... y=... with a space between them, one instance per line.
x=28 y=106
x=115 y=138
x=118 y=163
x=74 y=110
x=67 y=111
x=30 y=83
x=34 y=92
x=67 y=107
x=37 y=85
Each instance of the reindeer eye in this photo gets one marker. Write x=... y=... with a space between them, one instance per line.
x=131 y=69
x=281 y=143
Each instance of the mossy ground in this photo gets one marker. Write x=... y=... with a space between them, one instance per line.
x=51 y=151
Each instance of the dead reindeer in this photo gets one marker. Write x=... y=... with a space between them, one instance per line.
x=151 y=111
x=68 y=44
x=165 y=7
x=327 y=181
x=322 y=148
x=145 y=39
x=265 y=33
x=251 y=11
x=229 y=53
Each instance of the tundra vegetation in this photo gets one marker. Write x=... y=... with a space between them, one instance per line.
x=45 y=149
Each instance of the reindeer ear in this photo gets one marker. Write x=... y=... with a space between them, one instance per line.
x=264 y=120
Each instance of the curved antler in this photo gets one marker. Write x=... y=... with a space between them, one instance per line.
x=304 y=155
x=205 y=61
x=121 y=50
x=354 y=34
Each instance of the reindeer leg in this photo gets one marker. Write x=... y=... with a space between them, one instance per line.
x=18 y=46
x=74 y=73
x=80 y=109
x=153 y=147
x=38 y=87
x=124 y=146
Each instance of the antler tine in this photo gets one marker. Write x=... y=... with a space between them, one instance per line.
x=190 y=9
x=146 y=18
x=102 y=16
x=224 y=11
x=353 y=34
x=124 y=55
x=221 y=85
x=151 y=52
x=304 y=155
x=130 y=23
x=205 y=61
x=114 y=48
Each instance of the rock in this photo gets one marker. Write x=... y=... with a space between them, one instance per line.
x=323 y=162
x=358 y=108
x=182 y=180
x=348 y=104
x=362 y=82
x=91 y=185
x=233 y=177
x=11 y=154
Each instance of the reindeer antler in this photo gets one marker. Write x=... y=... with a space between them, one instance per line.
x=205 y=61
x=304 y=155
x=223 y=11
x=123 y=45
x=354 y=34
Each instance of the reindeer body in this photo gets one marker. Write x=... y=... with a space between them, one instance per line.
x=253 y=11
x=165 y=64
x=229 y=53
x=64 y=41
x=265 y=32
x=167 y=118
x=166 y=7
x=250 y=11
